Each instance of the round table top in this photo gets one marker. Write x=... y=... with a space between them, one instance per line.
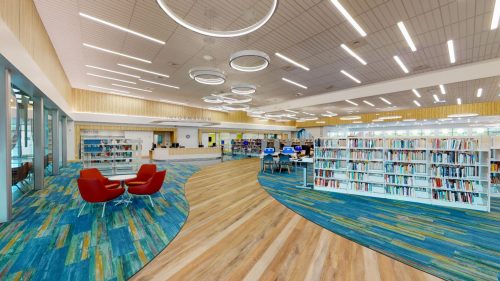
x=121 y=177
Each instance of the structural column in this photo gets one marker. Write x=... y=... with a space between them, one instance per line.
x=39 y=141
x=5 y=140
x=64 y=143
x=55 y=142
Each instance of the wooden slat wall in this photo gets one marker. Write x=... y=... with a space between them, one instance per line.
x=23 y=20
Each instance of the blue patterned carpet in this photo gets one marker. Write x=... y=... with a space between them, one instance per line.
x=47 y=241
x=450 y=243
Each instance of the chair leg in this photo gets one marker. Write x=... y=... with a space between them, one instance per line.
x=103 y=209
x=81 y=209
x=162 y=195
x=151 y=200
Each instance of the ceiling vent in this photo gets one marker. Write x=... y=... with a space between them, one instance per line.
x=288 y=68
x=299 y=94
x=421 y=68
x=173 y=64
x=358 y=43
x=330 y=88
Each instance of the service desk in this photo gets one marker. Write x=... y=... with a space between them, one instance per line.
x=163 y=154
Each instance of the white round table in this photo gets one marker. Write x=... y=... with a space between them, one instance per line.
x=122 y=179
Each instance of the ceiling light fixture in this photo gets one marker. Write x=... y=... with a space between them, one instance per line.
x=406 y=35
x=173 y=102
x=291 y=111
x=416 y=93
x=233 y=98
x=307 y=113
x=479 y=92
x=461 y=115
x=496 y=15
x=451 y=51
x=292 y=61
x=138 y=89
x=263 y=57
x=219 y=33
x=108 y=89
x=348 y=17
x=442 y=89
x=436 y=98
x=115 y=53
x=157 y=83
x=122 y=28
x=350 y=76
x=207 y=75
x=369 y=103
x=110 y=78
x=294 y=83
x=212 y=99
x=459 y=101
x=401 y=64
x=243 y=89
x=235 y=107
x=409 y=120
x=357 y=122
x=351 y=102
x=385 y=100
x=217 y=108
x=143 y=70
x=353 y=117
x=352 y=53
x=416 y=103
x=390 y=117
x=112 y=71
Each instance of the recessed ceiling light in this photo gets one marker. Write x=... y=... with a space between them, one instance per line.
x=350 y=76
x=416 y=103
x=459 y=101
x=143 y=70
x=416 y=93
x=479 y=92
x=111 y=78
x=351 y=102
x=390 y=117
x=451 y=51
x=436 y=98
x=406 y=35
x=320 y=122
x=460 y=115
x=357 y=122
x=173 y=102
x=291 y=111
x=348 y=17
x=385 y=100
x=401 y=64
x=208 y=57
x=496 y=15
x=292 y=61
x=126 y=95
x=352 y=117
x=409 y=120
x=307 y=113
x=352 y=53
x=369 y=103
x=112 y=71
x=115 y=53
x=108 y=89
x=442 y=89
x=294 y=83
x=138 y=89
x=122 y=28
x=161 y=84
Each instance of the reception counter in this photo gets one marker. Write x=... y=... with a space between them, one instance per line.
x=163 y=154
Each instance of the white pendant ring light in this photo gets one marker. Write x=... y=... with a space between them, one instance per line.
x=233 y=60
x=235 y=107
x=207 y=75
x=243 y=89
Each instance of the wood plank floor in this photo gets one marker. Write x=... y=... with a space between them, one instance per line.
x=236 y=231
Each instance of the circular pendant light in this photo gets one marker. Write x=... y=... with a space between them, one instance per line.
x=236 y=60
x=235 y=107
x=212 y=99
x=243 y=89
x=219 y=33
x=207 y=75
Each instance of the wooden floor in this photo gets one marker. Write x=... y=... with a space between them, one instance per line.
x=236 y=231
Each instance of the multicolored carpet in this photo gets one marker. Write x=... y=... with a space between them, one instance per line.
x=47 y=241
x=450 y=243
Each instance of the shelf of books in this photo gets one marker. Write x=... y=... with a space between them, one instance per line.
x=447 y=171
x=250 y=147
x=495 y=167
x=111 y=155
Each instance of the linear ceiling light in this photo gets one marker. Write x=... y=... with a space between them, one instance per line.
x=416 y=103
x=385 y=100
x=401 y=64
x=129 y=96
x=307 y=113
x=436 y=98
x=115 y=53
x=351 y=102
x=294 y=83
x=496 y=15
x=122 y=28
x=451 y=51
x=111 y=78
x=173 y=102
x=479 y=92
x=157 y=83
x=352 y=117
x=144 y=70
x=406 y=35
x=291 y=111
x=459 y=101
x=138 y=89
x=350 y=76
x=112 y=71
x=108 y=89
x=292 y=61
x=348 y=17
x=442 y=89
x=352 y=53
x=369 y=103
x=416 y=93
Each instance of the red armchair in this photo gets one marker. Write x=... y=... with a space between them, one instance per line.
x=93 y=190
x=151 y=187
x=146 y=172
x=94 y=173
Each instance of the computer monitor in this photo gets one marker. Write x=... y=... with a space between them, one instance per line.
x=269 y=150
x=288 y=150
x=245 y=143
x=298 y=148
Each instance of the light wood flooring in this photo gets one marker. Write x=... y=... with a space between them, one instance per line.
x=236 y=231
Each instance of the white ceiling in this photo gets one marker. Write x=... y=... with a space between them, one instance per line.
x=308 y=31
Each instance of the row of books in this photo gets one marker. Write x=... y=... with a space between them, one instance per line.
x=333 y=142
x=324 y=173
x=329 y=164
x=455 y=144
x=457 y=196
x=406 y=168
x=330 y=183
x=364 y=186
x=406 y=180
x=365 y=176
x=366 y=143
x=366 y=155
x=407 y=143
x=495 y=167
x=454 y=157
x=406 y=191
x=327 y=153
x=365 y=166
x=462 y=185
x=454 y=172
x=405 y=155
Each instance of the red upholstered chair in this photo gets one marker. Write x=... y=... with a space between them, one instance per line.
x=93 y=190
x=94 y=173
x=152 y=186
x=146 y=172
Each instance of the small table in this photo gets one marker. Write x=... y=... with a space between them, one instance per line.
x=306 y=160
x=122 y=179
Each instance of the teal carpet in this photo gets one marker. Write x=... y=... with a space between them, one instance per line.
x=47 y=241
x=450 y=243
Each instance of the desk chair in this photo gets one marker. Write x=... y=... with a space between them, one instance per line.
x=268 y=160
x=285 y=161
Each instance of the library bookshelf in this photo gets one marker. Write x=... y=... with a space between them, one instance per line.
x=495 y=167
x=111 y=155
x=444 y=171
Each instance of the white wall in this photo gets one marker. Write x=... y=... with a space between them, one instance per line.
x=192 y=141
x=145 y=136
x=70 y=138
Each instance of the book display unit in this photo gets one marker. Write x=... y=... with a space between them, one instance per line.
x=495 y=167
x=111 y=155
x=446 y=171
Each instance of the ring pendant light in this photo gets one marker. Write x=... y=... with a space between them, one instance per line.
x=243 y=89
x=235 y=57
x=219 y=33
x=212 y=99
x=207 y=75
x=234 y=98
x=236 y=107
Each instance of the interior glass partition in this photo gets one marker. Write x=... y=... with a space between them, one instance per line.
x=48 y=142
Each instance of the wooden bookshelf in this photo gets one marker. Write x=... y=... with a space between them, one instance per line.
x=445 y=171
